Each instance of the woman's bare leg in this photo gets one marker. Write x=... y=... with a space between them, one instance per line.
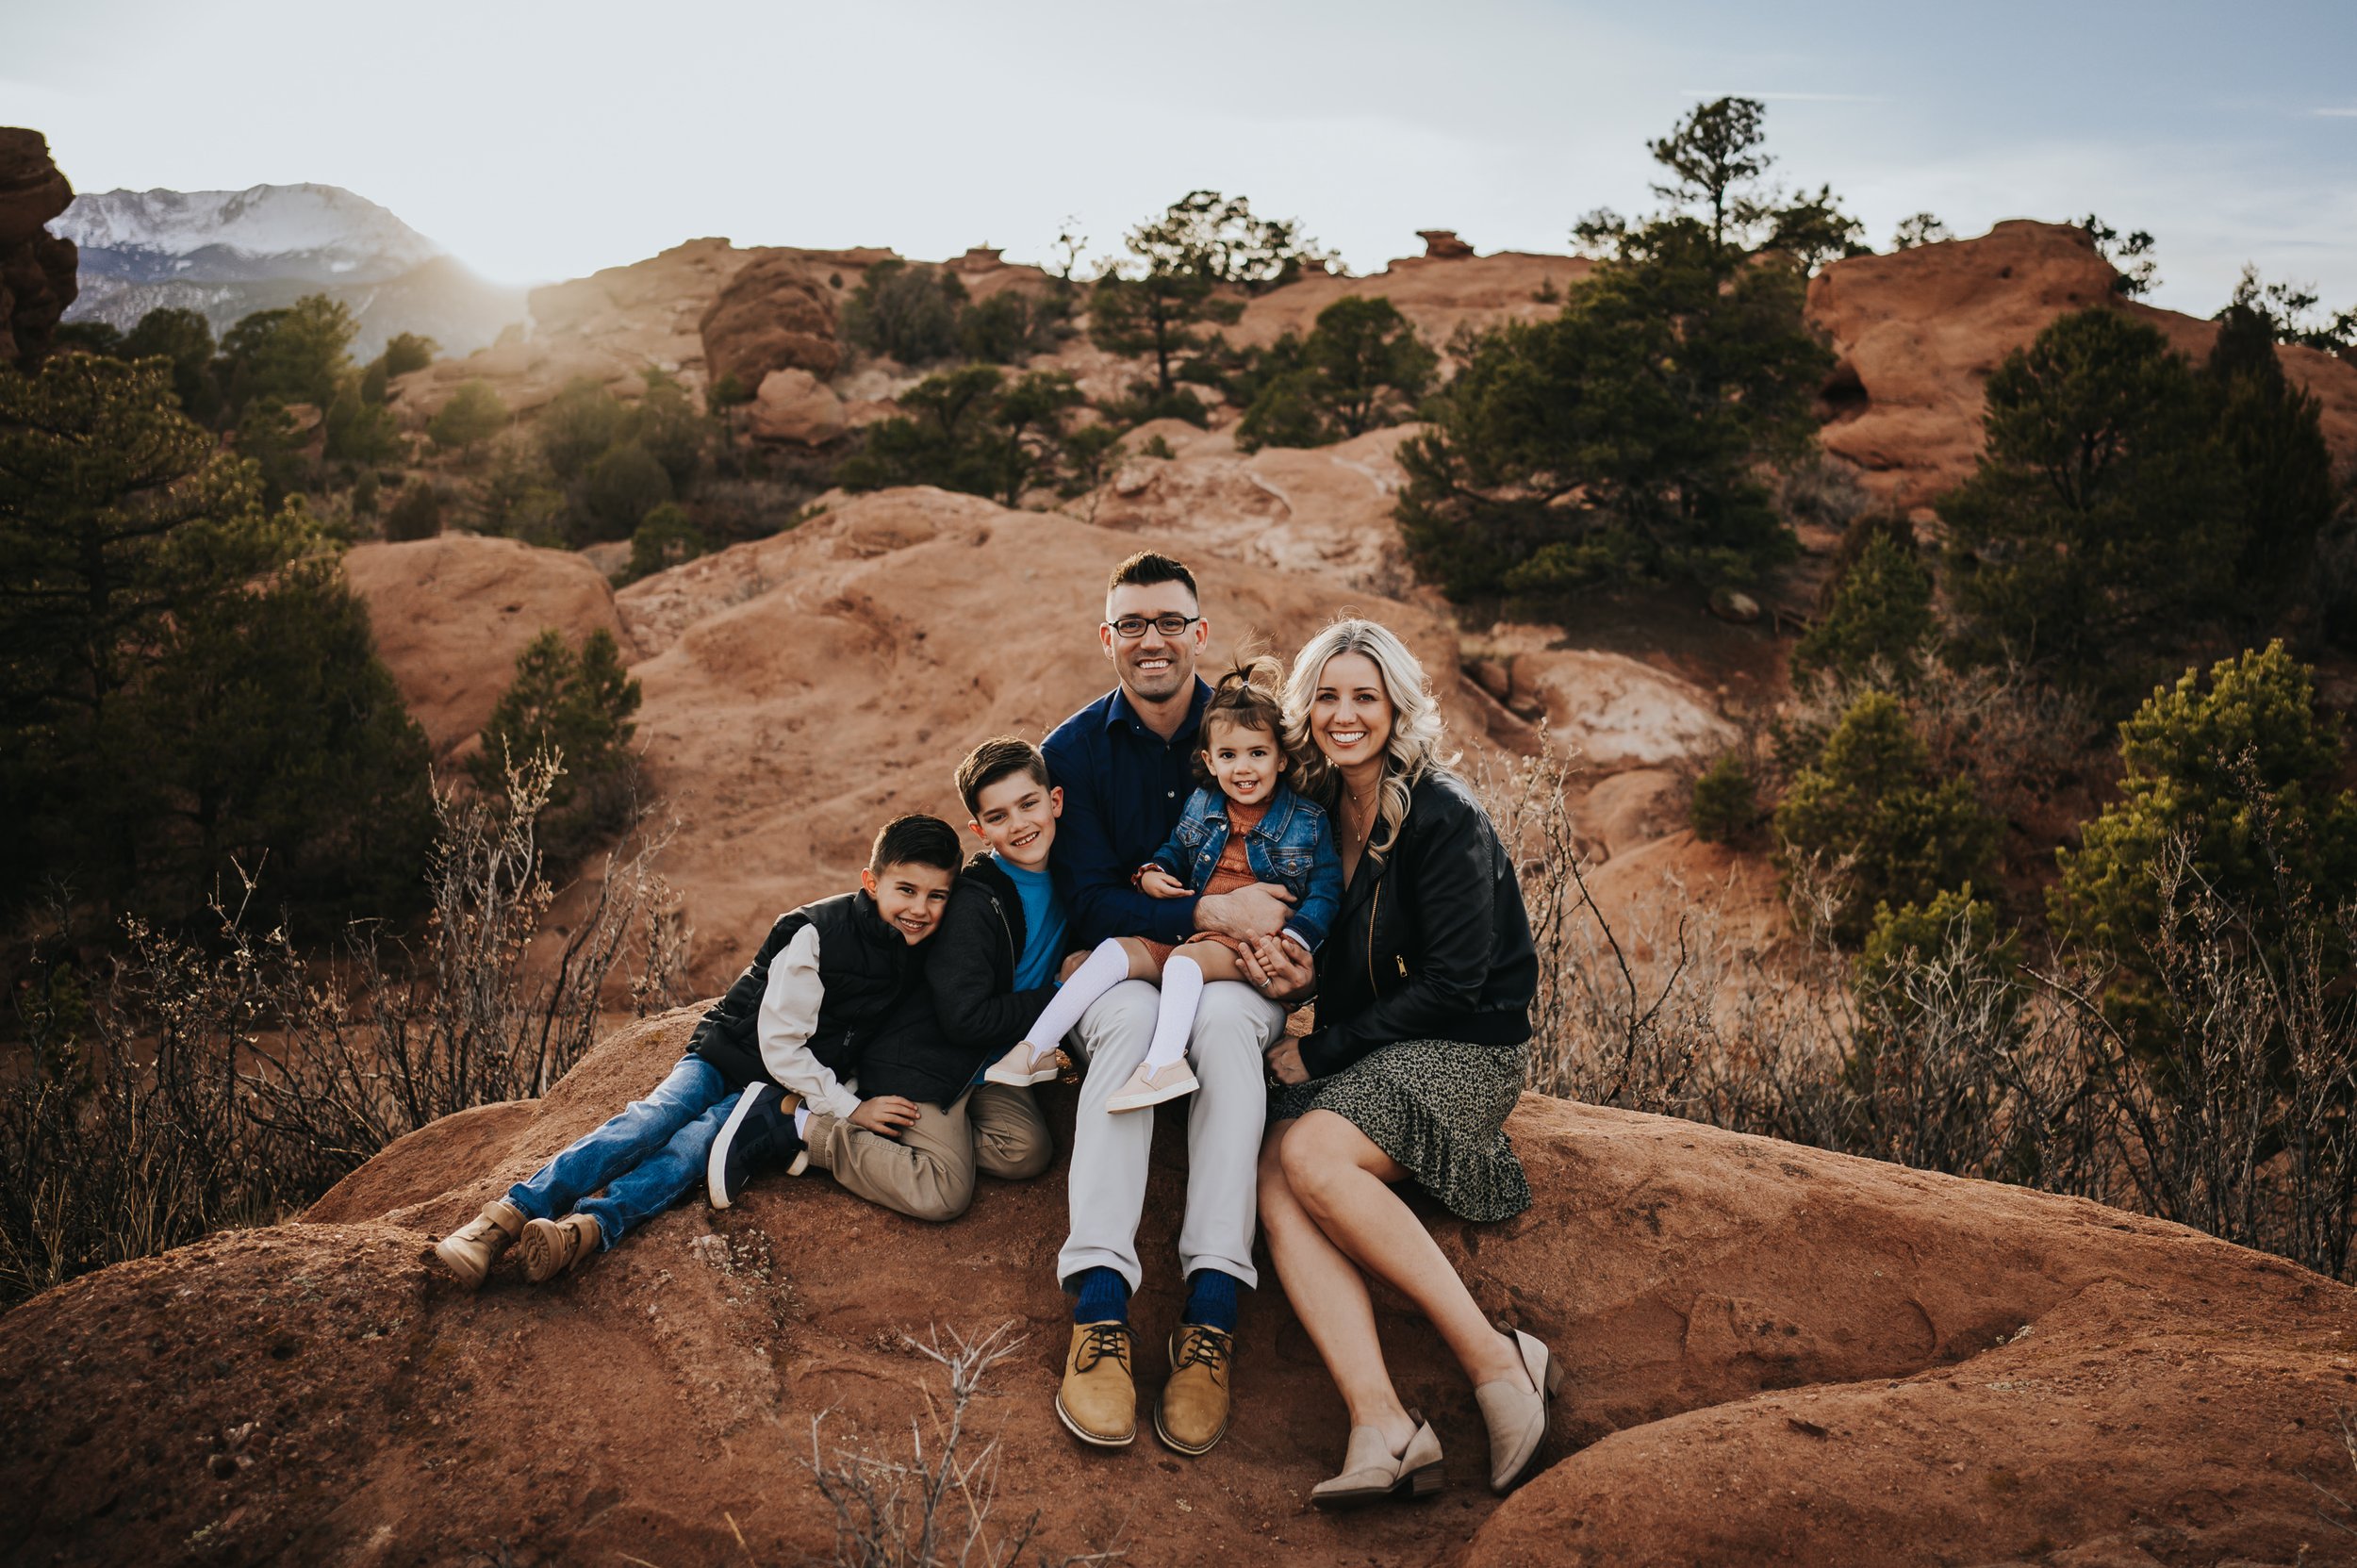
x=1329 y=1296
x=1342 y=1182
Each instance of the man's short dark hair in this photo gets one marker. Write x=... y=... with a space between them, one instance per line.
x=993 y=760
x=915 y=841
x=1148 y=567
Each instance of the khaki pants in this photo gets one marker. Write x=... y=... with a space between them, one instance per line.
x=927 y=1171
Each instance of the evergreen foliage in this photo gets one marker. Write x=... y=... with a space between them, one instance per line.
x=1217 y=240
x=475 y=413
x=577 y=427
x=1362 y=366
x=1625 y=438
x=973 y=430
x=1872 y=809
x=298 y=354
x=415 y=514
x=619 y=490
x=905 y=313
x=1726 y=801
x=1879 y=607
x=2270 y=436
x=666 y=537
x=186 y=339
x=1161 y=317
x=577 y=707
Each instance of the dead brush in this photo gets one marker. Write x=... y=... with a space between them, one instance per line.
x=233 y=1082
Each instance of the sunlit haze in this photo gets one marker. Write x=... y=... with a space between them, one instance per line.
x=543 y=140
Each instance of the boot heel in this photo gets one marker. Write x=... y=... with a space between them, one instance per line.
x=1425 y=1481
x=1554 y=1377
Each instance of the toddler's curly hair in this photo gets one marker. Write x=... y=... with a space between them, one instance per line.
x=1249 y=695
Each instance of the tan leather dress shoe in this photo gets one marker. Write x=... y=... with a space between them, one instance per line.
x=1192 y=1415
x=1098 y=1401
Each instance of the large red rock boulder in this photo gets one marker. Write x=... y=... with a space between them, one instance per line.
x=37 y=269
x=1440 y=294
x=777 y=314
x=1776 y=1354
x=450 y=614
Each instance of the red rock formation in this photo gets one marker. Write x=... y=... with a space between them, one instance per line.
x=1776 y=1355
x=776 y=314
x=37 y=269
x=450 y=614
x=1918 y=333
x=1443 y=245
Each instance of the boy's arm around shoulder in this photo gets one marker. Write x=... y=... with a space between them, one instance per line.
x=790 y=1017
x=961 y=971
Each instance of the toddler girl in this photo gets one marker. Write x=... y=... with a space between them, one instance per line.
x=1249 y=829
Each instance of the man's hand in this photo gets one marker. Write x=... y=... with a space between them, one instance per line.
x=889 y=1115
x=1278 y=969
x=1284 y=1062
x=1248 y=914
x=1155 y=882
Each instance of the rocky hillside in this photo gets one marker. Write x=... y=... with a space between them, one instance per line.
x=1776 y=1354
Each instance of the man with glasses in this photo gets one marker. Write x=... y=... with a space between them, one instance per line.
x=1125 y=764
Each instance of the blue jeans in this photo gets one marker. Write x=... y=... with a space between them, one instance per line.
x=648 y=1158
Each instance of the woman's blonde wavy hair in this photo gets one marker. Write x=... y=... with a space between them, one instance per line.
x=1415 y=744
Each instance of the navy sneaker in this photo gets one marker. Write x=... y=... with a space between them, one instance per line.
x=758 y=1133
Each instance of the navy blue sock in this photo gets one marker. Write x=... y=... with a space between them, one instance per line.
x=1104 y=1298
x=1212 y=1300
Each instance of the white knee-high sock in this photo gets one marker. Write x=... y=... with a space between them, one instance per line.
x=1182 y=987
x=1105 y=969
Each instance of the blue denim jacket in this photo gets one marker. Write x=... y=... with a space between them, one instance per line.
x=1292 y=846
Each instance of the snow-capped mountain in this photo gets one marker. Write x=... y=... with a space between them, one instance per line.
x=320 y=233
x=228 y=253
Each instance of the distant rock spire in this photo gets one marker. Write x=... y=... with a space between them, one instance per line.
x=37 y=269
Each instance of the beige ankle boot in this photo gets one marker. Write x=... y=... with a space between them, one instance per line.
x=553 y=1246
x=1370 y=1471
x=1517 y=1417
x=471 y=1249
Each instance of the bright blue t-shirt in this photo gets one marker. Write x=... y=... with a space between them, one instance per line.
x=1043 y=926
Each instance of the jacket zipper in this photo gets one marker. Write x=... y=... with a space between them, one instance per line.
x=1373 y=904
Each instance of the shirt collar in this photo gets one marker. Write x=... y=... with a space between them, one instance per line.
x=1119 y=712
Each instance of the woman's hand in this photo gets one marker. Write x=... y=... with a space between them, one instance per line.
x=1155 y=882
x=1284 y=1062
x=1278 y=969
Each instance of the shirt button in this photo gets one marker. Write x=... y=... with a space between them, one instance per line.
x=1170 y=794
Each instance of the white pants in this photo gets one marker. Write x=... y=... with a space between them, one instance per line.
x=1233 y=1026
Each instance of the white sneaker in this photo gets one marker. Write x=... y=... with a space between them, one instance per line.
x=1152 y=1087
x=1019 y=1067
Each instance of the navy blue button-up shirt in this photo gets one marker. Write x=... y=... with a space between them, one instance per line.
x=1125 y=788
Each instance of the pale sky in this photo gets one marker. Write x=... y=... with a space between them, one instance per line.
x=538 y=140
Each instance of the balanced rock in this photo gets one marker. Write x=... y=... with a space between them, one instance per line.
x=795 y=405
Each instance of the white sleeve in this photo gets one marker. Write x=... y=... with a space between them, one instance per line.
x=789 y=1016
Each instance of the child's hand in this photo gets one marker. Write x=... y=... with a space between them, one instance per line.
x=1155 y=882
x=889 y=1115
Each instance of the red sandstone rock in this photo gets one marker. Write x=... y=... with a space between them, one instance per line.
x=776 y=314
x=796 y=406
x=37 y=269
x=450 y=614
x=1776 y=1355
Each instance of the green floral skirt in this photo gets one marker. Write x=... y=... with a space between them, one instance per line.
x=1437 y=1107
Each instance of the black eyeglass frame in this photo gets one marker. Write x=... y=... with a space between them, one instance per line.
x=1158 y=622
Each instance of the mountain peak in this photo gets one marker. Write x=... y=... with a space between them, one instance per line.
x=322 y=232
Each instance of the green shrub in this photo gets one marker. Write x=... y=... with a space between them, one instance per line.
x=415 y=514
x=1010 y=327
x=621 y=488
x=358 y=431
x=972 y=430
x=664 y=540
x=905 y=313
x=297 y=355
x=578 y=705
x=1370 y=365
x=1918 y=962
x=1880 y=607
x=578 y=425
x=267 y=437
x=2270 y=434
x=186 y=339
x=406 y=352
x=518 y=496
x=668 y=424
x=1727 y=800
x=1871 y=810
x=2237 y=772
x=475 y=413
x=1287 y=411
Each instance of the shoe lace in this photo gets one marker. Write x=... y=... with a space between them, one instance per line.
x=1100 y=1340
x=1198 y=1346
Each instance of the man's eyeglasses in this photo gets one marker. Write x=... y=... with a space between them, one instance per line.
x=1131 y=627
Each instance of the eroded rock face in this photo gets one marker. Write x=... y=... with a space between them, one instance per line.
x=1776 y=1354
x=37 y=269
x=450 y=614
x=1916 y=334
x=795 y=405
x=1438 y=293
x=777 y=313
x=800 y=689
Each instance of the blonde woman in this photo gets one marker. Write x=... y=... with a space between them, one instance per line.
x=1424 y=988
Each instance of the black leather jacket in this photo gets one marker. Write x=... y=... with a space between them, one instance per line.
x=1433 y=942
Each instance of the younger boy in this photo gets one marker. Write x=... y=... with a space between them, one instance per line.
x=987 y=974
x=791 y=1025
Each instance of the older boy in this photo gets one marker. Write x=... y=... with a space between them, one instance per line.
x=987 y=974
x=790 y=1024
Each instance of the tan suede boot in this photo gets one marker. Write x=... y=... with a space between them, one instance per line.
x=554 y=1246
x=469 y=1251
x=1098 y=1401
